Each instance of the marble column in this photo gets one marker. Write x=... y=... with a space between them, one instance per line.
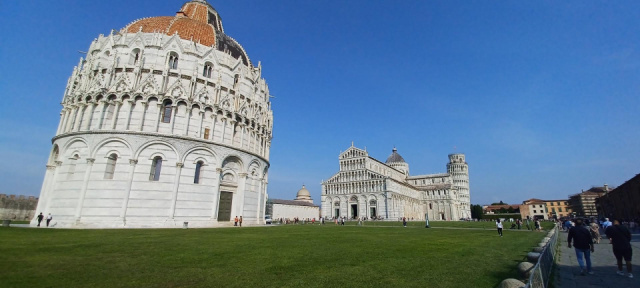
x=127 y=191
x=85 y=184
x=216 y=195
x=176 y=185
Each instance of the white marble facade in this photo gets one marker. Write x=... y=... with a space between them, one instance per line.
x=158 y=129
x=366 y=187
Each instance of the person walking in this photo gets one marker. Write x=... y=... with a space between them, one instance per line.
x=235 y=221
x=595 y=232
x=49 y=218
x=620 y=238
x=499 y=225
x=583 y=244
x=240 y=221
x=519 y=223
x=606 y=224
x=404 y=222
x=40 y=217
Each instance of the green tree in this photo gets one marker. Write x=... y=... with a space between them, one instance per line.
x=476 y=211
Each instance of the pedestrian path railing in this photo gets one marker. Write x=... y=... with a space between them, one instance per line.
x=541 y=272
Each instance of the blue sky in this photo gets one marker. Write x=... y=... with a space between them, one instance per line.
x=541 y=96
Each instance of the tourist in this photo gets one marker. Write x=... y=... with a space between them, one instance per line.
x=49 y=217
x=519 y=223
x=537 y=223
x=404 y=222
x=583 y=244
x=235 y=221
x=620 y=238
x=499 y=225
x=606 y=224
x=40 y=217
x=240 y=221
x=595 y=232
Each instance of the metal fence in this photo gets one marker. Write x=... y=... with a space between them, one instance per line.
x=541 y=272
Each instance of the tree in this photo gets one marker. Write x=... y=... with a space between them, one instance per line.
x=476 y=211
x=499 y=203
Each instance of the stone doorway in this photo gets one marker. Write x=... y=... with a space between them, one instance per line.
x=224 y=210
x=354 y=211
x=372 y=212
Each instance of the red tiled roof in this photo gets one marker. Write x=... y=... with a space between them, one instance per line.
x=191 y=23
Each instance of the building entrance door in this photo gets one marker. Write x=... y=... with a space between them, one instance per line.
x=372 y=212
x=224 y=210
x=354 y=211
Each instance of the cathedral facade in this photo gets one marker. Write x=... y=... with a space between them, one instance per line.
x=366 y=187
x=166 y=121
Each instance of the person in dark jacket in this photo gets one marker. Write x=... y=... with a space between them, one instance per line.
x=40 y=217
x=620 y=238
x=583 y=244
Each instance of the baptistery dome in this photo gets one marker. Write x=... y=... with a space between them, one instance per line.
x=165 y=122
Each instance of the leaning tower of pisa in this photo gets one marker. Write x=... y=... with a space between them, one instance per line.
x=459 y=171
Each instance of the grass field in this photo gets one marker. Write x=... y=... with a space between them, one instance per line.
x=375 y=255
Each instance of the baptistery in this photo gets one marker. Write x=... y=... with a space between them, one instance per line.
x=166 y=123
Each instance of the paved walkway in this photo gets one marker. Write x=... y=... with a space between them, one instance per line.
x=567 y=273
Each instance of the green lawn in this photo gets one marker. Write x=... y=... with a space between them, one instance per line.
x=276 y=256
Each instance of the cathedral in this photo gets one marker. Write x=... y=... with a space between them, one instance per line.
x=166 y=121
x=366 y=187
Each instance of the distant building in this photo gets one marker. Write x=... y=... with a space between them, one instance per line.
x=622 y=202
x=534 y=209
x=367 y=187
x=584 y=204
x=18 y=208
x=558 y=208
x=302 y=207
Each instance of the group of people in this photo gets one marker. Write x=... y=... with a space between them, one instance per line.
x=297 y=220
x=41 y=217
x=237 y=221
x=582 y=240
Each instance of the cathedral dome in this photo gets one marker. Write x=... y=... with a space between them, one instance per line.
x=394 y=157
x=303 y=195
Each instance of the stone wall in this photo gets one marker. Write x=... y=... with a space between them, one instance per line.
x=17 y=208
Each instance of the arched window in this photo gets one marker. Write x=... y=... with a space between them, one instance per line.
x=166 y=112
x=173 y=60
x=72 y=166
x=156 y=166
x=111 y=166
x=206 y=71
x=134 y=57
x=196 y=177
x=235 y=80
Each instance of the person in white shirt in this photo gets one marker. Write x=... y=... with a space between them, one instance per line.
x=499 y=225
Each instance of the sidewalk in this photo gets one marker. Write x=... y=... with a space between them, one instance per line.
x=567 y=272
